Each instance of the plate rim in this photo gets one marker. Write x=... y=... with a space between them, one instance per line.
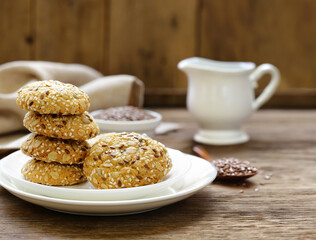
x=98 y=193
x=182 y=192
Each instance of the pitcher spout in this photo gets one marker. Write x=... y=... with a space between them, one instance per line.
x=190 y=64
x=197 y=63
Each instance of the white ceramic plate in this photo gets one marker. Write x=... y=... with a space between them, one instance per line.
x=12 y=164
x=200 y=175
x=142 y=126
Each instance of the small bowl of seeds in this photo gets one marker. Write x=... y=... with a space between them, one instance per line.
x=127 y=119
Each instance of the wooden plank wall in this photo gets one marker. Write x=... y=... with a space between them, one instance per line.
x=15 y=33
x=147 y=38
x=70 y=30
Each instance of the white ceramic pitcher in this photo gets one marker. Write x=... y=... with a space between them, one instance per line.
x=221 y=97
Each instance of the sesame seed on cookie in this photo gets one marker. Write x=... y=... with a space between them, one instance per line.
x=53 y=97
x=124 y=160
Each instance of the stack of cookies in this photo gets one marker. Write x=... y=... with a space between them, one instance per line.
x=60 y=124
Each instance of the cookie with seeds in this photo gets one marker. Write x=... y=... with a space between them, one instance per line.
x=76 y=127
x=124 y=160
x=53 y=173
x=53 y=97
x=55 y=150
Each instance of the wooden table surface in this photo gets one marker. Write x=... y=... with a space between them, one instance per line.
x=283 y=145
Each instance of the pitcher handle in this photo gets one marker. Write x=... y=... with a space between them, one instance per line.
x=270 y=88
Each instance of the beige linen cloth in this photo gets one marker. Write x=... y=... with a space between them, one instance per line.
x=104 y=91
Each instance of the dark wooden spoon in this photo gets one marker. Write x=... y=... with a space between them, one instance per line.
x=228 y=169
x=202 y=153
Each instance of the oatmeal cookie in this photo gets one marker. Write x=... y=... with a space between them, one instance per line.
x=124 y=160
x=77 y=127
x=55 y=150
x=53 y=97
x=55 y=174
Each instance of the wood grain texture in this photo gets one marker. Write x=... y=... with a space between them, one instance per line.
x=15 y=30
x=136 y=95
x=148 y=38
x=282 y=145
x=71 y=31
x=281 y=32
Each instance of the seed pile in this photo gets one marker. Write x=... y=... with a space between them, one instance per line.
x=233 y=168
x=60 y=124
x=125 y=113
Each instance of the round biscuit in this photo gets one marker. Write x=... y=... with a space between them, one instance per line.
x=53 y=97
x=124 y=160
x=55 y=150
x=77 y=127
x=54 y=174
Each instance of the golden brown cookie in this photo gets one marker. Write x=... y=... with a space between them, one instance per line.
x=55 y=150
x=52 y=173
x=77 y=127
x=124 y=160
x=53 y=97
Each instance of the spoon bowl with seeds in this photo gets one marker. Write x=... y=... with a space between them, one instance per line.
x=228 y=169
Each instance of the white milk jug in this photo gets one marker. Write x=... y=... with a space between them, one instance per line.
x=221 y=97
